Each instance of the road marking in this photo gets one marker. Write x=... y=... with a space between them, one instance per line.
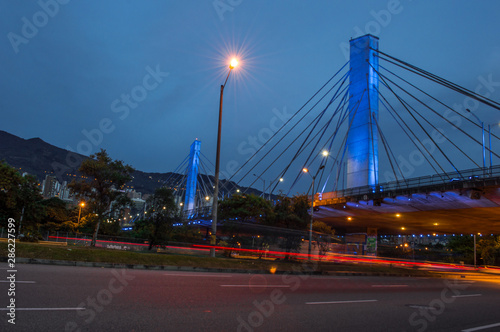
x=416 y=306
x=252 y=286
x=484 y=327
x=389 y=285
x=20 y=282
x=467 y=295
x=197 y=275
x=335 y=278
x=339 y=302
x=45 y=309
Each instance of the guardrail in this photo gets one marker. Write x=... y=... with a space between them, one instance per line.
x=472 y=178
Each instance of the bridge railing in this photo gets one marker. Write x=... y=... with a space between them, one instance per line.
x=199 y=213
x=428 y=182
x=471 y=175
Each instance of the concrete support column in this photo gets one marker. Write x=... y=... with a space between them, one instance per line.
x=192 y=177
x=362 y=140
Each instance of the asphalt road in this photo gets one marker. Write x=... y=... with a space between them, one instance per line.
x=60 y=298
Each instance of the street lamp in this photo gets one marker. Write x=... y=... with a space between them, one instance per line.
x=82 y=204
x=271 y=188
x=305 y=170
x=482 y=128
x=232 y=65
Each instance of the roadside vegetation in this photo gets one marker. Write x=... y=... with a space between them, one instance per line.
x=248 y=221
x=101 y=255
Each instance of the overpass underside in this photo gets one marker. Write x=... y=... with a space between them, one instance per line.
x=456 y=207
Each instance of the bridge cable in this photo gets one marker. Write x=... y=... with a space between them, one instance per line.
x=302 y=148
x=393 y=112
x=248 y=172
x=436 y=129
x=389 y=153
x=356 y=106
x=176 y=170
x=437 y=113
x=296 y=113
x=421 y=127
x=440 y=80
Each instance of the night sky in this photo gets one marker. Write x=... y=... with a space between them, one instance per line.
x=67 y=78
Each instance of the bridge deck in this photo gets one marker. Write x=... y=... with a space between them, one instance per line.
x=465 y=202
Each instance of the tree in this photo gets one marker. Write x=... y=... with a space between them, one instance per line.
x=105 y=179
x=291 y=213
x=161 y=216
x=488 y=249
x=58 y=216
x=245 y=208
x=323 y=236
x=19 y=198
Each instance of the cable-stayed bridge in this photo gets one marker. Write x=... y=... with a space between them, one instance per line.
x=390 y=146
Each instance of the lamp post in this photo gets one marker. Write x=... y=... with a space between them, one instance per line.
x=305 y=170
x=232 y=65
x=82 y=204
x=263 y=185
x=474 y=250
x=482 y=128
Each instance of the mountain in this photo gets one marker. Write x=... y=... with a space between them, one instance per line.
x=40 y=158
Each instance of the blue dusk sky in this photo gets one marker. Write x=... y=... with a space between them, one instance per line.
x=141 y=79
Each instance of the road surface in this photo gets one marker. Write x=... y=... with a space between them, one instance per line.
x=61 y=298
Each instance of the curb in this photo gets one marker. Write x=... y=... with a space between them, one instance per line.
x=148 y=267
x=39 y=261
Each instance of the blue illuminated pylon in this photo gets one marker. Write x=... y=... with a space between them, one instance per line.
x=192 y=176
x=362 y=140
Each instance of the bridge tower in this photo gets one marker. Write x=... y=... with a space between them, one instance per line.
x=362 y=139
x=192 y=176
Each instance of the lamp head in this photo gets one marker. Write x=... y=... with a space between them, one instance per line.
x=233 y=63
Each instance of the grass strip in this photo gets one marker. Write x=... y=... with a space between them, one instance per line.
x=102 y=255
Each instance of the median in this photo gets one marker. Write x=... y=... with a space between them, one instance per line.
x=100 y=257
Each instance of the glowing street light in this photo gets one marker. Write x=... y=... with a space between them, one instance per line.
x=305 y=170
x=272 y=186
x=232 y=65
x=82 y=204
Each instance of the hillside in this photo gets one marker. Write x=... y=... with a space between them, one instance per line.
x=40 y=158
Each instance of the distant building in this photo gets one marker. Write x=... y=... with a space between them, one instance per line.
x=132 y=194
x=64 y=193
x=52 y=188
